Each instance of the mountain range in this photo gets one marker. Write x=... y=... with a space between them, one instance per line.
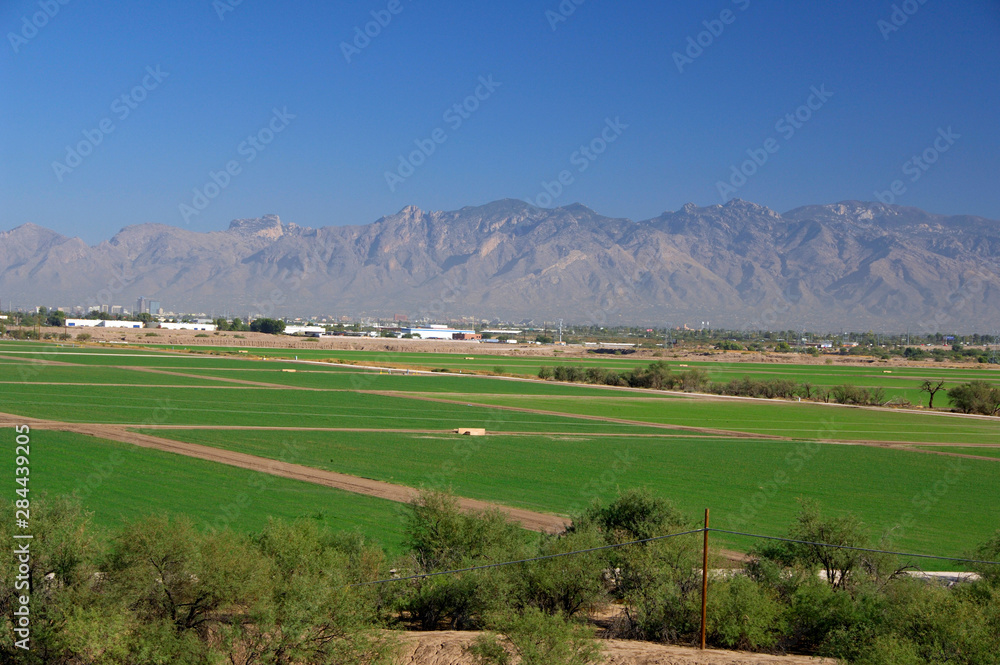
x=850 y=265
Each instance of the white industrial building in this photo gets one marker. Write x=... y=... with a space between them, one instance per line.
x=82 y=323
x=304 y=330
x=98 y=323
x=119 y=324
x=183 y=326
x=436 y=332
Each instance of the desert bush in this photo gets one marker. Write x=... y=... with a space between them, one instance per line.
x=566 y=585
x=976 y=397
x=536 y=638
x=745 y=615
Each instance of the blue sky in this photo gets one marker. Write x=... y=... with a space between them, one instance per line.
x=222 y=70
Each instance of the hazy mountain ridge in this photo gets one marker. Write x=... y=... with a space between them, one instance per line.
x=850 y=264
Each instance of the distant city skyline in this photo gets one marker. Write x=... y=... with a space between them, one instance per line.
x=196 y=113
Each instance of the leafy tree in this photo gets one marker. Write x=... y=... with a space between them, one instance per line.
x=56 y=319
x=310 y=614
x=269 y=326
x=976 y=397
x=843 y=568
x=167 y=571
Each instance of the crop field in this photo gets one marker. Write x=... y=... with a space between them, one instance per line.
x=980 y=451
x=897 y=381
x=775 y=418
x=551 y=448
x=117 y=481
x=561 y=473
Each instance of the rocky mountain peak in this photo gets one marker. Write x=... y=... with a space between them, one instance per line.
x=268 y=226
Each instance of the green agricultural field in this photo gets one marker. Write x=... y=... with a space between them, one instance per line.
x=897 y=381
x=38 y=373
x=777 y=418
x=981 y=451
x=750 y=485
x=306 y=377
x=554 y=461
x=263 y=407
x=118 y=481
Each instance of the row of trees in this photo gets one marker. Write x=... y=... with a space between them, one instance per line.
x=979 y=397
x=159 y=591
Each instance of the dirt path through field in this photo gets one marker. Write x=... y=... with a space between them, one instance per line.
x=534 y=521
x=242 y=382
x=41 y=361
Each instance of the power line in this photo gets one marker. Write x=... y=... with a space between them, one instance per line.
x=859 y=549
x=671 y=535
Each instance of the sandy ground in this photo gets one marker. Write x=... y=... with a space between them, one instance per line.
x=448 y=648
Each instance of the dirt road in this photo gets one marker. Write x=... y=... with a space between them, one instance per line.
x=531 y=520
x=448 y=648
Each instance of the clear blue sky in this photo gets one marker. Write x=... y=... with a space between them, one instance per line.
x=892 y=92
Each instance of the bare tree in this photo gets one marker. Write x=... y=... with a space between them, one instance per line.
x=930 y=387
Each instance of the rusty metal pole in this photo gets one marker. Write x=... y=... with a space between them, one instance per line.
x=704 y=583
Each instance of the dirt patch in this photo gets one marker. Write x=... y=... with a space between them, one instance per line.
x=448 y=648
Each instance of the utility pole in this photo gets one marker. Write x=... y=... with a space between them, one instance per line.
x=704 y=583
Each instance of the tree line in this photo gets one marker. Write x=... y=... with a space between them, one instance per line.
x=158 y=590
x=977 y=397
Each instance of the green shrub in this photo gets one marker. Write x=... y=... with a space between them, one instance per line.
x=744 y=615
x=536 y=639
x=976 y=397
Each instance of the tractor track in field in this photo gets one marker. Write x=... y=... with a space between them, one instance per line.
x=604 y=419
x=529 y=519
x=242 y=382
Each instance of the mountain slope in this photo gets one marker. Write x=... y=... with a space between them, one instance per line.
x=850 y=264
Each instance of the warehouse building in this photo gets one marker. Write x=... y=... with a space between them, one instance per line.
x=436 y=332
